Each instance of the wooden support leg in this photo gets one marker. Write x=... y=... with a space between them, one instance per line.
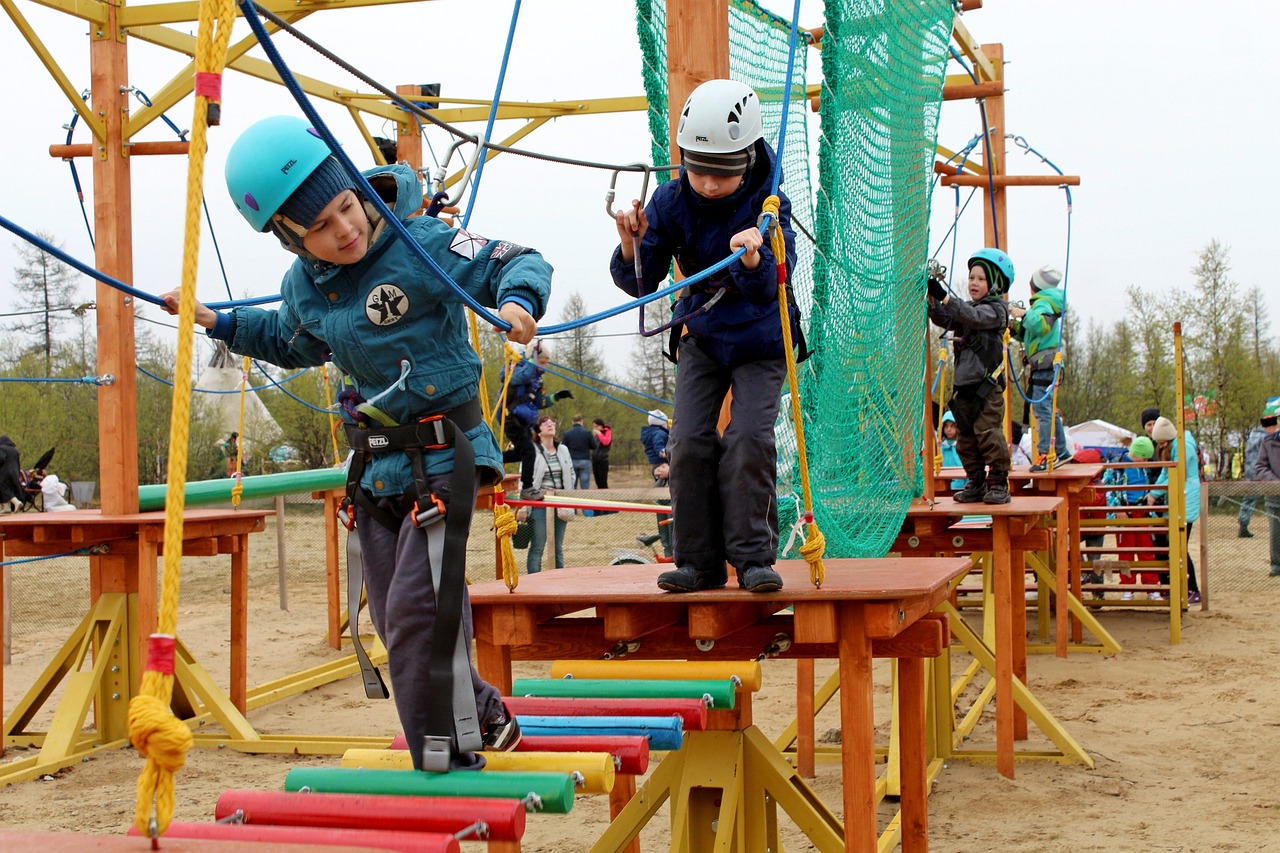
x=913 y=774
x=857 y=722
x=1019 y=631
x=1002 y=584
x=240 y=622
x=805 y=741
x=624 y=788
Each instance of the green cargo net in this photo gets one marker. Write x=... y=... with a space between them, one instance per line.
x=861 y=245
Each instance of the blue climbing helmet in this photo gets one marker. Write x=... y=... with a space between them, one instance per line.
x=268 y=162
x=998 y=267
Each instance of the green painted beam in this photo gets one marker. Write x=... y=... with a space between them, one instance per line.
x=204 y=492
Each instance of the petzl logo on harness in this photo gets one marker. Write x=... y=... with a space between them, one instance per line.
x=387 y=305
x=379 y=441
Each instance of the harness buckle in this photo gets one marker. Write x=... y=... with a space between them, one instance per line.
x=347 y=513
x=437 y=424
x=431 y=513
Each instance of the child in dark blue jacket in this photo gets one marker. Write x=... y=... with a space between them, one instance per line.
x=729 y=338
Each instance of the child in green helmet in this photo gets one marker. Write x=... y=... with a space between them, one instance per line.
x=977 y=399
x=361 y=296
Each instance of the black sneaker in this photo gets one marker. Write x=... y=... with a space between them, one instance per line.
x=502 y=733
x=531 y=494
x=689 y=579
x=759 y=579
x=973 y=492
x=997 y=494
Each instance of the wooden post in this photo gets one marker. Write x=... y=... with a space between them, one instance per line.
x=281 y=556
x=408 y=139
x=697 y=51
x=113 y=228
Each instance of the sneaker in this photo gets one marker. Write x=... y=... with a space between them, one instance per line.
x=1275 y=571
x=1244 y=533
x=1193 y=598
x=689 y=579
x=1155 y=596
x=1126 y=596
x=973 y=492
x=531 y=494
x=502 y=733
x=759 y=579
x=1041 y=466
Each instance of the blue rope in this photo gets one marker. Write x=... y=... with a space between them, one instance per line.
x=49 y=248
x=493 y=116
x=604 y=394
x=253 y=388
x=83 y=380
x=83 y=552
x=610 y=384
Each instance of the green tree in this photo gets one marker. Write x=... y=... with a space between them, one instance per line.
x=48 y=290
x=298 y=407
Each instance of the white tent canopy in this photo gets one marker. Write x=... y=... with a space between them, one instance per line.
x=1098 y=433
x=260 y=428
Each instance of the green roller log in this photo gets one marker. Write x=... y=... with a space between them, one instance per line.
x=719 y=694
x=554 y=790
x=205 y=492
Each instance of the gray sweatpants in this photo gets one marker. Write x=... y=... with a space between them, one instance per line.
x=723 y=495
x=402 y=605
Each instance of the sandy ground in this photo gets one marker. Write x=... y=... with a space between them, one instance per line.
x=1186 y=738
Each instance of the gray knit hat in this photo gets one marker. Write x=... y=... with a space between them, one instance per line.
x=721 y=165
x=322 y=186
x=1045 y=277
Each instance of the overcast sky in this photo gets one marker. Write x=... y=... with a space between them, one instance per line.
x=1164 y=109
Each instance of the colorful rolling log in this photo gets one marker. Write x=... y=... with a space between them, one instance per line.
x=74 y=842
x=748 y=672
x=630 y=754
x=719 y=694
x=481 y=818
x=692 y=712
x=328 y=838
x=592 y=772
x=540 y=792
x=664 y=733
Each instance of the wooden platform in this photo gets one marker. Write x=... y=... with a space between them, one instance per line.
x=863 y=603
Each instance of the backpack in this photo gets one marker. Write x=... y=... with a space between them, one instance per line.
x=523 y=392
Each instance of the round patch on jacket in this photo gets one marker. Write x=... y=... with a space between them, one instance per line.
x=387 y=305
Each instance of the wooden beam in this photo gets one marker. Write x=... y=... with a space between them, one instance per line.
x=1001 y=181
x=132 y=149
x=697 y=51
x=184 y=12
x=92 y=121
x=969 y=89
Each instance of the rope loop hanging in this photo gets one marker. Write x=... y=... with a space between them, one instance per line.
x=155 y=732
x=815 y=544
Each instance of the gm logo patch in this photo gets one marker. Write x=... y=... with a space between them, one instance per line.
x=386 y=305
x=379 y=441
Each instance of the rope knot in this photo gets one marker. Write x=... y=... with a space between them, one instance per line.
x=157 y=734
x=815 y=545
x=504 y=526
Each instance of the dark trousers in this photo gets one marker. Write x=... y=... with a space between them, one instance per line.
x=723 y=493
x=980 y=431
x=402 y=605
x=522 y=450
x=600 y=468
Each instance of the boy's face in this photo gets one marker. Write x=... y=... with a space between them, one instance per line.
x=340 y=234
x=978 y=284
x=713 y=186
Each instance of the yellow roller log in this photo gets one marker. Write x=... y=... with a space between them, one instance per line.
x=593 y=772
x=748 y=672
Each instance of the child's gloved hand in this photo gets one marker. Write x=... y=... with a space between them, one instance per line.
x=937 y=292
x=562 y=395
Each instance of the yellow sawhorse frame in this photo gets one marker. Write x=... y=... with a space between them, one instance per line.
x=99 y=667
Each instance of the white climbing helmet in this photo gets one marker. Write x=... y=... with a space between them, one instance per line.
x=720 y=117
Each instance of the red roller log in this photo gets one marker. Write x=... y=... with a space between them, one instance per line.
x=504 y=819
x=366 y=839
x=692 y=712
x=76 y=842
x=632 y=752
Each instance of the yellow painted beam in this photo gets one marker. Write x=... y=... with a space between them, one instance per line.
x=970 y=166
x=970 y=48
x=182 y=12
x=489 y=154
x=91 y=120
x=84 y=9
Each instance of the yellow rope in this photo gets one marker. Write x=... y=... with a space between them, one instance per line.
x=238 y=489
x=485 y=411
x=333 y=417
x=504 y=525
x=942 y=392
x=1053 y=416
x=156 y=733
x=815 y=545
x=509 y=360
